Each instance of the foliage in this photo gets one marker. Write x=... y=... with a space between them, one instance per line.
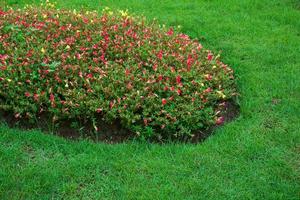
x=86 y=66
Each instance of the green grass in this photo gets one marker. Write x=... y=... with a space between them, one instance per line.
x=257 y=156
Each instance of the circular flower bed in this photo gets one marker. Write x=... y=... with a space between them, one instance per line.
x=81 y=65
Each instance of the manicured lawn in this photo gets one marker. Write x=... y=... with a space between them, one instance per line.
x=257 y=156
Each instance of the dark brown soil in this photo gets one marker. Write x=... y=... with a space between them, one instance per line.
x=108 y=133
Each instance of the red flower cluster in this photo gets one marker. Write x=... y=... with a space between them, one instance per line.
x=72 y=64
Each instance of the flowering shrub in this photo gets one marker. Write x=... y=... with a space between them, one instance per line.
x=82 y=65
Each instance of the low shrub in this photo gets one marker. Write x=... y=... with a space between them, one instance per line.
x=155 y=80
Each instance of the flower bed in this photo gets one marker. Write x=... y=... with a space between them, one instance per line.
x=81 y=65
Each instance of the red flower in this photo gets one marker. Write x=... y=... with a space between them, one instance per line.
x=172 y=69
x=220 y=120
x=145 y=122
x=111 y=104
x=160 y=77
x=2 y=13
x=36 y=97
x=89 y=75
x=178 y=79
x=160 y=55
x=208 y=77
x=209 y=56
x=3 y=57
x=102 y=58
x=27 y=94
x=78 y=56
x=163 y=101
x=127 y=72
x=183 y=36
x=99 y=110
x=179 y=92
x=85 y=20
x=199 y=47
x=3 y=68
x=154 y=67
x=189 y=62
x=170 y=32
x=51 y=98
x=208 y=90
x=129 y=86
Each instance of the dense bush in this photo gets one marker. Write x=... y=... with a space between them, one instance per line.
x=82 y=65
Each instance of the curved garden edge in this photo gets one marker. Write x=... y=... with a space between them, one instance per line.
x=108 y=133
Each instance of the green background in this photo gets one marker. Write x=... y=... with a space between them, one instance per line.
x=257 y=156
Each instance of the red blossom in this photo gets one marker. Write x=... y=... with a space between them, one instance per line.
x=102 y=58
x=160 y=55
x=3 y=57
x=189 y=61
x=208 y=77
x=127 y=72
x=89 y=76
x=179 y=91
x=163 y=101
x=3 y=68
x=178 y=79
x=183 y=36
x=170 y=32
x=27 y=94
x=199 y=47
x=78 y=56
x=173 y=69
x=154 y=67
x=209 y=56
x=145 y=122
x=89 y=90
x=208 y=90
x=160 y=77
x=36 y=97
x=111 y=104
x=129 y=86
x=85 y=20
x=51 y=97
x=2 y=13
x=220 y=120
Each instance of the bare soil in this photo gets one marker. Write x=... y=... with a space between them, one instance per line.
x=108 y=133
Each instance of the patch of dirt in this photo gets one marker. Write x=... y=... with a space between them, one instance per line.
x=108 y=133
